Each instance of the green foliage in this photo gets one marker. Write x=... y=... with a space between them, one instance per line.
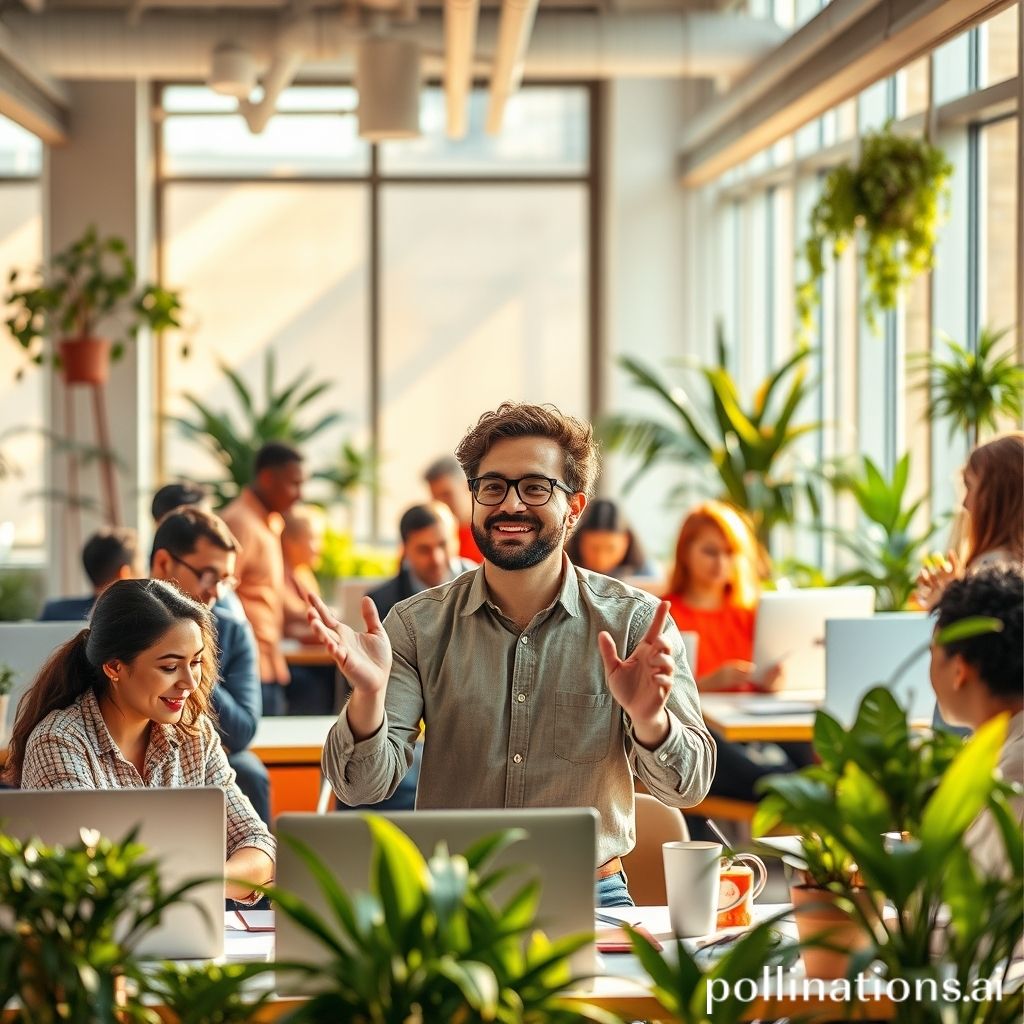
x=209 y=993
x=887 y=553
x=891 y=203
x=858 y=793
x=21 y=594
x=234 y=443
x=750 y=451
x=973 y=389
x=683 y=987
x=429 y=943
x=352 y=471
x=6 y=679
x=73 y=919
x=90 y=282
x=340 y=559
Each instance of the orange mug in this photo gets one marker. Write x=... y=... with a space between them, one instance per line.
x=737 y=889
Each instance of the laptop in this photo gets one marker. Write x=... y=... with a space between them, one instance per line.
x=864 y=653
x=25 y=647
x=790 y=628
x=184 y=829
x=559 y=850
x=691 y=644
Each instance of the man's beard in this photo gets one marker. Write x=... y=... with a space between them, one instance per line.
x=517 y=556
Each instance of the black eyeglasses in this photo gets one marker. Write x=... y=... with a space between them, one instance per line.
x=208 y=578
x=532 y=490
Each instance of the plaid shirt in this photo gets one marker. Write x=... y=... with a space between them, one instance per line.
x=72 y=749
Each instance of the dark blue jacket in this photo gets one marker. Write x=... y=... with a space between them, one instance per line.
x=67 y=609
x=237 y=697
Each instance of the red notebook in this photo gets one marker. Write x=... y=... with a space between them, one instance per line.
x=615 y=940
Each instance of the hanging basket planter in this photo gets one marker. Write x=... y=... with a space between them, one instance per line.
x=85 y=360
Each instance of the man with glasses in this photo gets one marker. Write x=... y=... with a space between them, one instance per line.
x=541 y=684
x=195 y=550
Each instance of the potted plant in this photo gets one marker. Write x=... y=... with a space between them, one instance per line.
x=749 y=450
x=972 y=389
x=73 y=919
x=887 y=550
x=207 y=993
x=428 y=942
x=890 y=202
x=89 y=284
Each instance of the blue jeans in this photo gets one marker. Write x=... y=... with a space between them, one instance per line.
x=613 y=891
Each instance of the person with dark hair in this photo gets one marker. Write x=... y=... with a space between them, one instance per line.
x=256 y=519
x=109 y=554
x=126 y=704
x=428 y=534
x=978 y=678
x=447 y=483
x=194 y=549
x=604 y=542
x=183 y=492
x=516 y=667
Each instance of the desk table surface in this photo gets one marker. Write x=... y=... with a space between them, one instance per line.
x=622 y=986
x=291 y=739
x=726 y=713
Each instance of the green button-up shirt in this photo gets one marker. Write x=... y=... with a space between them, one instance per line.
x=523 y=718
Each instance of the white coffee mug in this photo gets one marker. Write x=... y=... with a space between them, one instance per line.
x=692 y=886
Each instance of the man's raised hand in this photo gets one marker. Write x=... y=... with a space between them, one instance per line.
x=364 y=658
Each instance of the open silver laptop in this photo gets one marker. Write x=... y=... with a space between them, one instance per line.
x=790 y=629
x=184 y=829
x=864 y=653
x=24 y=647
x=559 y=850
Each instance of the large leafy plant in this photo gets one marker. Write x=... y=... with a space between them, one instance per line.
x=74 y=917
x=886 y=548
x=750 y=451
x=973 y=389
x=428 y=942
x=891 y=203
x=282 y=416
x=209 y=993
x=89 y=285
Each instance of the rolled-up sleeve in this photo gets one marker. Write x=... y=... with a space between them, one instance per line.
x=368 y=771
x=244 y=827
x=678 y=771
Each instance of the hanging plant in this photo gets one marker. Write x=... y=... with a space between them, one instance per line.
x=892 y=202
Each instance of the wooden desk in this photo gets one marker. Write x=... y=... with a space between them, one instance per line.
x=306 y=654
x=724 y=713
x=293 y=741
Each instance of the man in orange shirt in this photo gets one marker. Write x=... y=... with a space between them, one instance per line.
x=255 y=517
x=448 y=485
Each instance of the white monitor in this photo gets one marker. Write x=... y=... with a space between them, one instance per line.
x=184 y=829
x=790 y=629
x=24 y=647
x=863 y=653
x=559 y=850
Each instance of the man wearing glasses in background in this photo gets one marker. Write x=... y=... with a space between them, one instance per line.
x=195 y=550
x=541 y=684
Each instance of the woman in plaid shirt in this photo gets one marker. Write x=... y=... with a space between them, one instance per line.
x=126 y=704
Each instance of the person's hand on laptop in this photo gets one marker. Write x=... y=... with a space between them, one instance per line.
x=364 y=658
x=732 y=675
x=642 y=682
x=770 y=679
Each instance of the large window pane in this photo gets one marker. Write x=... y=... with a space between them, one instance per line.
x=544 y=131
x=999 y=47
x=484 y=300
x=21 y=401
x=275 y=267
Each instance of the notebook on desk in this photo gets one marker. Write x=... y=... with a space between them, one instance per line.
x=559 y=850
x=184 y=829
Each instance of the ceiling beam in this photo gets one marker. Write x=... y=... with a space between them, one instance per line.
x=848 y=46
x=29 y=98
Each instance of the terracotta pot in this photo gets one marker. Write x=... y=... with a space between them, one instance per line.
x=816 y=912
x=85 y=360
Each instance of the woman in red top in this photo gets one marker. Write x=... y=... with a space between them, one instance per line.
x=713 y=591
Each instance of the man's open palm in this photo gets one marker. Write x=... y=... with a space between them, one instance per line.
x=364 y=658
x=642 y=682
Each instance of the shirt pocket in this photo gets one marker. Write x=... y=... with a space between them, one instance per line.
x=583 y=726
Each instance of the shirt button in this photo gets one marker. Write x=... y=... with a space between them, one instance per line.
x=526 y=639
x=521 y=698
x=663 y=757
x=518 y=758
